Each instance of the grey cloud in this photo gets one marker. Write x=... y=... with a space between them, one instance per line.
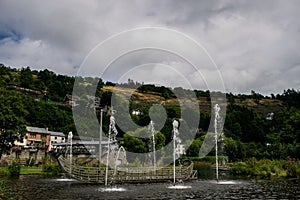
x=254 y=43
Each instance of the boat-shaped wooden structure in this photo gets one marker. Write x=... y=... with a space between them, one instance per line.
x=116 y=175
x=127 y=175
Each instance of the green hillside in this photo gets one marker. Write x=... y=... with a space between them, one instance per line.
x=39 y=98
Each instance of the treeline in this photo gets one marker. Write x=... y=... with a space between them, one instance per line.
x=248 y=132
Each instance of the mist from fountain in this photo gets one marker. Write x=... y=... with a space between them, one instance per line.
x=117 y=158
x=176 y=154
x=112 y=132
x=70 y=137
x=218 y=138
x=151 y=130
x=217 y=118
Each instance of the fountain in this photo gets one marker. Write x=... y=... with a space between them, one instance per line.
x=175 y=134
x=176 y=143
x=117 y=158
x=152 y=132
x=217 y=118
x=112 y=132
x=70 y=136
x=216 y=121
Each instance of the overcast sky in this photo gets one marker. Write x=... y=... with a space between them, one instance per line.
x=255 y=44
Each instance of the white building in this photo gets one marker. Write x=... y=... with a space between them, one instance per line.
x=56 y=137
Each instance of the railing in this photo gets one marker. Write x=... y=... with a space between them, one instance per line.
x=95 y=175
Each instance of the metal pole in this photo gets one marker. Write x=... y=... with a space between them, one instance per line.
x=216 y=139
x=174 y=149
x=100 y=139
x=154 y=151
x=70 y=139
x=107 y=158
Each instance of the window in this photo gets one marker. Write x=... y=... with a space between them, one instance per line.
x=43 y=136
x=32 y=136
x=55 y=138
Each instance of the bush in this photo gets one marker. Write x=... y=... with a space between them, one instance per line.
x=204 y=169
x=4 y=171
x=14 y=169
x=53 y=169
x=293 y=169
x=240 y=168
x=266 y=168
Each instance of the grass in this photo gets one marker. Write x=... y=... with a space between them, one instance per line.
x=31 y=170
x=4 y=171
x=24 y=171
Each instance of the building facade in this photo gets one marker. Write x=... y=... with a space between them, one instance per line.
x=40 y=138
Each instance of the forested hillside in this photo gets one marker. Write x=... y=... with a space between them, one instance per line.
x=255 y=125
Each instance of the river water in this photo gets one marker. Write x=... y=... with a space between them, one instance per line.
x=38 y=187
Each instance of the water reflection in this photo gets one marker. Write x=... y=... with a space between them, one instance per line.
x=38 y=187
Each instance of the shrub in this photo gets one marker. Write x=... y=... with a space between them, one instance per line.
x=4 y=171
x=293 y=169
x=53 y=169
x=240 y=168
x=14 y=169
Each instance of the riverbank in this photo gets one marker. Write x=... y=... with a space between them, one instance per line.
x=48 y=169
x=24 y=171
x=266 y=168
x=251 y=168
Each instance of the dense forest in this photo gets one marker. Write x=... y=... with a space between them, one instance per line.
x=255 y=125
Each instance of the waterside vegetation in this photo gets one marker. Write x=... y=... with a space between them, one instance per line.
x=266 y=168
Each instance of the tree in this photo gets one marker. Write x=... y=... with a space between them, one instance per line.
x=194 y=148
x=134 y=144
x=26 y=77
x=12 y=122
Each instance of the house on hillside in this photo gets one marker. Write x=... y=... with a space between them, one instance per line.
x=137 y=112
x=40 y=138
x=71 y=100
x=56 y=137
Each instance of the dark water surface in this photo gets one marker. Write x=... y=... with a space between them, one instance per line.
x=37 y=187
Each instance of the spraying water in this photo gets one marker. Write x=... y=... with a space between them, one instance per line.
x=70 y=136
x=175 y=135
x=152 y=132
x=117 y=158
x=217 y=118
x=112 y=132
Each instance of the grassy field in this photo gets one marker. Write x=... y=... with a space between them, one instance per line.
x=24 y=171
x=31 y=170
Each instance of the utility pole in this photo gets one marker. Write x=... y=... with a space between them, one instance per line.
x=100 y=138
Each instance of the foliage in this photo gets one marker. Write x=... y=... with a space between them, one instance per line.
x=12 y=122
x=4 y=171
x=204 y=169
x=14 y=169
x=31 y=170
x=40 y=102
x=134 y=144
x=266 y=168
x=53 y=169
